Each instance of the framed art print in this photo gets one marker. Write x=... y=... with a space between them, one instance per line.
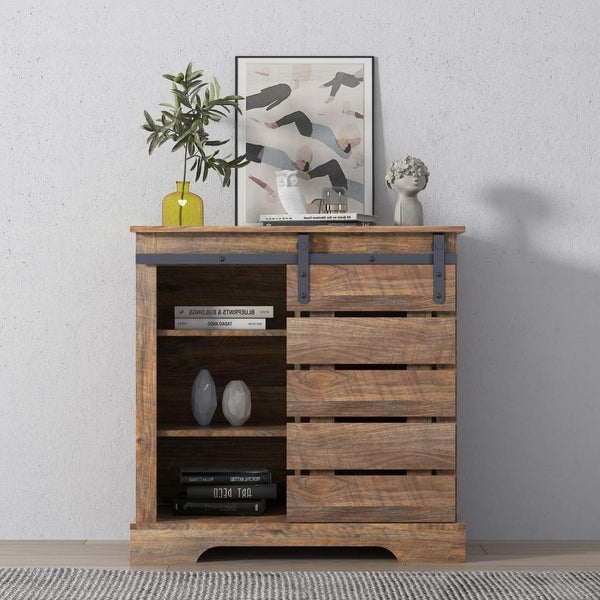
x=308 y=115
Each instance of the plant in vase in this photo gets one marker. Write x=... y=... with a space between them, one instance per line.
x=195 y=105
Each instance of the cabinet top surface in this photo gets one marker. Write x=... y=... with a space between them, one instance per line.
x=332 y=229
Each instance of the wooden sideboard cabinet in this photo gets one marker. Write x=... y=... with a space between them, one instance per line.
x=353 y=387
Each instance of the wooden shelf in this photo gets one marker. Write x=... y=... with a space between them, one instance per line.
x=224 y=431
x=275 y=513
x=221 y=333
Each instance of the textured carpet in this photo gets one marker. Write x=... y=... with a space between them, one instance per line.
x=82 y=584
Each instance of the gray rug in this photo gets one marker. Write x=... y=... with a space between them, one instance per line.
x=96 y=584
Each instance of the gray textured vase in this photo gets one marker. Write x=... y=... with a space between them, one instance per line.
x=204 y=398
x=236 y=402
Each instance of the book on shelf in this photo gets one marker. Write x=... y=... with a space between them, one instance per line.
x=209 y=475
x=349 y=218
x=231 y=312
x=220 y=323
x=253 y=491
x=183 y=505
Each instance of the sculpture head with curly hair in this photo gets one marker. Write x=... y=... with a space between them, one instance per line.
x=408 y=175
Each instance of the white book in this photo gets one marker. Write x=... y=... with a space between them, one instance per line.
x=220 y=323
x=231 y=312
x=308 y=217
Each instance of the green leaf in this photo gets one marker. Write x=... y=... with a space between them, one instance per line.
x=216 y=115
x=179 y=144
x=217 y=87
x=196 y=88
x=183 y=99
x=195 y=75
x=154 y=143
x=188 y=72
x=149 y=119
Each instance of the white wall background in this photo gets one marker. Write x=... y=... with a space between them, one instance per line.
x=500 y=99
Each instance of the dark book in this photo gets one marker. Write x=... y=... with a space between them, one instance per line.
x=182 y=505
x=251 y=491
x=217 y=476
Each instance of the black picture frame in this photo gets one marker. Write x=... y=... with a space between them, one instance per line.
x=309 y=114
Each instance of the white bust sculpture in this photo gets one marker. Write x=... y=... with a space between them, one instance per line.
x=407 y=177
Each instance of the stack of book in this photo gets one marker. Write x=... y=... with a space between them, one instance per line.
x=318 y=219
x=222 y=317
x=214 y=491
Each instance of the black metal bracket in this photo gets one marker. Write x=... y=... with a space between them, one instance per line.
x=439 y=258
x=303 y=268
x=439 y=268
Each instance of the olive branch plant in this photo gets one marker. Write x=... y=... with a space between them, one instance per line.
x=195 y=105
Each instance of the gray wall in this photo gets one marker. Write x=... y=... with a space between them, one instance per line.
x=501 y=102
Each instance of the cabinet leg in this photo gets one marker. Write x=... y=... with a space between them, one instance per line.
x=170 y=552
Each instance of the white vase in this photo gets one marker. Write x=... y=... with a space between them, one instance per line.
x=408 y=210
x=236 y=402
x=204 y=398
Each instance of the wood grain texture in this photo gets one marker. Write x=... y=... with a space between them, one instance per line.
x=145 y=393
x=347 y=446
x=371 y=340
x=182 y=541
x=373 y=240
x=371 y=287
x=381 y=498
x=376 y=241
x=371 y=393
x=218 y=241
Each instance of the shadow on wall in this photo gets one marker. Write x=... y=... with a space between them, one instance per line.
x=382 y=208
x=529 y=413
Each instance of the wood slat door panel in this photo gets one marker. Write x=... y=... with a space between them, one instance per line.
x=388 y=498
x=366 y=393
x=370 y=446
x=371 y=340
x=371 y=287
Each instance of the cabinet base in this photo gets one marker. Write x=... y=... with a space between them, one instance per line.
x=184 y=541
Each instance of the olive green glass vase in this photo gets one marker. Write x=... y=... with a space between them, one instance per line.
x=182 y=207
